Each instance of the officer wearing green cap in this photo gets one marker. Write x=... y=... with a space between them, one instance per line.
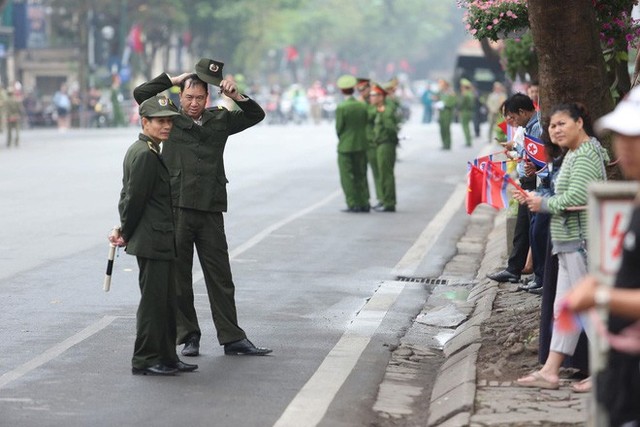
x=384 y=124
x=147 y=230
x=351 y=124
x=446 y=104
x=466 y=104
x=194 y=156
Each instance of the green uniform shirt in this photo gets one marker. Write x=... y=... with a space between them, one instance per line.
x=351 y=125
x=194 y=153
x=146 y=215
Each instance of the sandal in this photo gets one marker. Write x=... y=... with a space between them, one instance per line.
x=583 y=386
x=535 y=379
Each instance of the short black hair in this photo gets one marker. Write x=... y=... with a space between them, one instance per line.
x=193 y=80
x=517 y=102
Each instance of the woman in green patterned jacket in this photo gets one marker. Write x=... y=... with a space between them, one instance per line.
x=570 y=128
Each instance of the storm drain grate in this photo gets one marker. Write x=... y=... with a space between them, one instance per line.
x=424 y=280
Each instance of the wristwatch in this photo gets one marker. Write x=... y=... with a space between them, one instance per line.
x=602 y=297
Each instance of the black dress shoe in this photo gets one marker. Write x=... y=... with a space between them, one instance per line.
x=191 y=346
x=363 y=209
x=158 y=369
x=245 y=347
x=504 y=276
x=183 y=367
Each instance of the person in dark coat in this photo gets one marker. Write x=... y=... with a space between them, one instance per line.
x=147 y=230
x=194 y=156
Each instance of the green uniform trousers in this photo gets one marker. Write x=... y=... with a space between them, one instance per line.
x=13 y=133
x=372 y=159
x=156 y=316
x=465 y=119
x=386 y=155
x=353 y=178
x=445 y=118
x=205 y=230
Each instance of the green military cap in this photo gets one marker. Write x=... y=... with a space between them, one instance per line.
x=158 y=106
x=465 y=82
x=209 y=71
x=377 y=88
x=346 y=82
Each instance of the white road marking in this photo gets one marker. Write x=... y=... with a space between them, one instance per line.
x=309 y=406
x=411 y=260
x=55 y=351
x=273 y=227
x=92 y=329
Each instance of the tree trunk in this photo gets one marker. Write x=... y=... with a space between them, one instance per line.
x=571 y=64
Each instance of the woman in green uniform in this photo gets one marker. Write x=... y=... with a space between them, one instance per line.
x=384 y=124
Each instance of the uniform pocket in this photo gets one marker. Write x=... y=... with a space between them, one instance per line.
x=162 y=237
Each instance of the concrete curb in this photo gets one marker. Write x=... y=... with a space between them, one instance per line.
x=453 y=395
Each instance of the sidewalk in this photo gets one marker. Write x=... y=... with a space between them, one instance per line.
x=475 y=383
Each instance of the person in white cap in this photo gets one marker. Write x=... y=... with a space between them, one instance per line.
x=619 y=384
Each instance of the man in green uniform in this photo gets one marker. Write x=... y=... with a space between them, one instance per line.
x=14 y=112
x=466 y=106
x=445 y=105
x=384 y=125
x=363 y=86
x=351 y=127
x=147 y=231
x=194 y=156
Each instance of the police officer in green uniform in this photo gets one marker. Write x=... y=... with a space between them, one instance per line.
x=446 y=104
x=147 y=230
x=14 y=112
x=384 y=125
x=363 y=86
x=466 y=106
x=351 y=127
x=194 y=156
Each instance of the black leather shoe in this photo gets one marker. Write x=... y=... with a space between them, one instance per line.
x=183 y=367
x=504 y=276
x=158 y=369
x=244 y=347
x=363 y=209
x=191 y=346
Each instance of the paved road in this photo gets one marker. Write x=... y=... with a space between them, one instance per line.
x=313 y=283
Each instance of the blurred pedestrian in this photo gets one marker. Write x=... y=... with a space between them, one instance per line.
x=351 y=127
x=494 y=102
x=427 y=104
x=147 y=230
x=62 y=104
x=466 y=107
x=446 y=103
x=14 y=112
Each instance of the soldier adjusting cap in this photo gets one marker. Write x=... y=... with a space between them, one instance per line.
x=209 y=71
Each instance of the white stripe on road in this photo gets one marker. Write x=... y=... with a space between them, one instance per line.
x=90 y=330
x=411 y=260
x=273 y=227
x=309 y=406
x=55 y=351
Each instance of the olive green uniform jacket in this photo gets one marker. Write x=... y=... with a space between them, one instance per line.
x=146 y=221
x=194 y=154
x=351 y=128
